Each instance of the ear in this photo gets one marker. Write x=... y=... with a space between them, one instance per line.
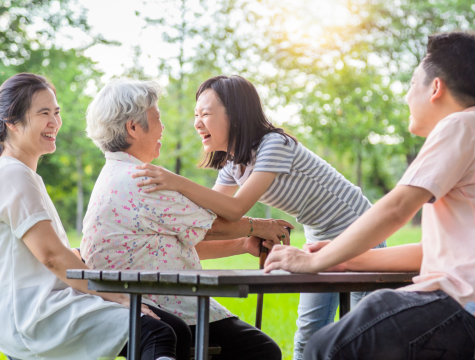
x=132 y=129
x=438 y=88
x=12 y=127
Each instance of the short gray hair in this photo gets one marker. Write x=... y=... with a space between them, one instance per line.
x=118 y=102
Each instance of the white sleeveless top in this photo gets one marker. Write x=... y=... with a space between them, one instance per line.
x=43 y=318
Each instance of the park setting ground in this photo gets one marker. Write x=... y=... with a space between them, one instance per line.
x=280 y=310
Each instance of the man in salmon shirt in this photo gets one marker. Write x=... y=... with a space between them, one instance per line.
x=429 y=319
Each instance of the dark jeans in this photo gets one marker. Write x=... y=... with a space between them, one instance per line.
x=237 y=339
x=395 y=325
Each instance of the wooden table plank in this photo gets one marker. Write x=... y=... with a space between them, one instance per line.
x=75 y=274
x=129 y=275
x=239 y=277
x=148 y=276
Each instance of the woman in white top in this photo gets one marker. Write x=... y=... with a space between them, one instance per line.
x=44 y=315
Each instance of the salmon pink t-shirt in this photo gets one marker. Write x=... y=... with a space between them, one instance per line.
x=445 y=166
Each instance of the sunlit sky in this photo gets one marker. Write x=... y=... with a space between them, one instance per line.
x=116 y=20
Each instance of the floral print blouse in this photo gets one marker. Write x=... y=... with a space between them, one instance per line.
x=125 y=228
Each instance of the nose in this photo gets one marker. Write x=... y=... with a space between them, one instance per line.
x=56 y=121
x=198 y=122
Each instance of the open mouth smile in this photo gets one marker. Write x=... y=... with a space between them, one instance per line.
x=49 y=136
x=206 y=137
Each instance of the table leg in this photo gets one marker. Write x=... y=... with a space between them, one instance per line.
x=202 y=329
x=345 y=303
x=133 y=347
x=260 y=302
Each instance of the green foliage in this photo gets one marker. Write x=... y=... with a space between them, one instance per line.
x=70 y=172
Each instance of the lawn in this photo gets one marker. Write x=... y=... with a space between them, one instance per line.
x=280 y=310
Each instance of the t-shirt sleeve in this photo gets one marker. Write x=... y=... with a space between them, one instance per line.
x=273 y=155
x=171 y=213
x=225 y=176
x=444 y=159
x=22 y=204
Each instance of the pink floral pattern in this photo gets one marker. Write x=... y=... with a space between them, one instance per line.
x=125 y=228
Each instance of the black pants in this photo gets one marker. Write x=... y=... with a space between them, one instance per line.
x=395 y=325
x=237 y=339
x=240 y=341
x=158 y=337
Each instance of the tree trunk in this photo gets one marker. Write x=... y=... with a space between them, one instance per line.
x=80 y=196
x=178 y=159
x=359 y=169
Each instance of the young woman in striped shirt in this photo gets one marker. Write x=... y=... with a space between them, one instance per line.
x=259 y=162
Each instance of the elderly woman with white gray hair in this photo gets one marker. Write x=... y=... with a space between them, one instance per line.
x=126 y=228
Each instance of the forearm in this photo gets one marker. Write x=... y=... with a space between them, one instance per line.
x=228 y=207
x=223 y=229
x=59 y=264
x=220 y=248
x=403 y=258
x=376 y=225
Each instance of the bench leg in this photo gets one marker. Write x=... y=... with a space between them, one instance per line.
x=133 y=347
x=345 y=303
x=202 y=329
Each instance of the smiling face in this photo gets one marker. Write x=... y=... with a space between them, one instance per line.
x=424 y=115
x=36 y=135
x=147 y=144
x=211 y=122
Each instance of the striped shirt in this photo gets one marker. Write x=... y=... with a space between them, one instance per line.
x=305 y=187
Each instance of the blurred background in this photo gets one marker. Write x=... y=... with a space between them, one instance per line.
x=332 y=73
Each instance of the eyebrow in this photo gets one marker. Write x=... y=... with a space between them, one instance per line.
x=47 y=109
x=203 y=108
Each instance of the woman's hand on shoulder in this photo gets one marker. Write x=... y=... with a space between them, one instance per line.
x=272 y=230
x=157 y=178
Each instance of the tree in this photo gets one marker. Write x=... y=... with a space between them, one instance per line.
x=70 y=172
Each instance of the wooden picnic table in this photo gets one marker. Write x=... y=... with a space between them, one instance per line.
x=226 y=283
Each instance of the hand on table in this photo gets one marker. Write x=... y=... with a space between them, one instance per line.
x=158 y=178
x=291 y=259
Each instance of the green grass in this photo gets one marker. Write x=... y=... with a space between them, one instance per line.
x=280 y=310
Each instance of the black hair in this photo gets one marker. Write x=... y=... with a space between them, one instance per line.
x=451 y=57
x=247 y=120
x=16 y=95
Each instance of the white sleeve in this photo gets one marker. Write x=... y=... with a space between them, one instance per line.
x=22 y=204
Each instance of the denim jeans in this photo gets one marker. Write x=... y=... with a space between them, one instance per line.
x=317 y=310
x=394 y=325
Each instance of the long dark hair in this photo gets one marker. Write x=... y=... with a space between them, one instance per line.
x=248 y=123
x=16 y=95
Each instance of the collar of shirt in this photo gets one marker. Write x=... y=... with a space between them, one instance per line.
x=471 y=108
x=122 y=156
